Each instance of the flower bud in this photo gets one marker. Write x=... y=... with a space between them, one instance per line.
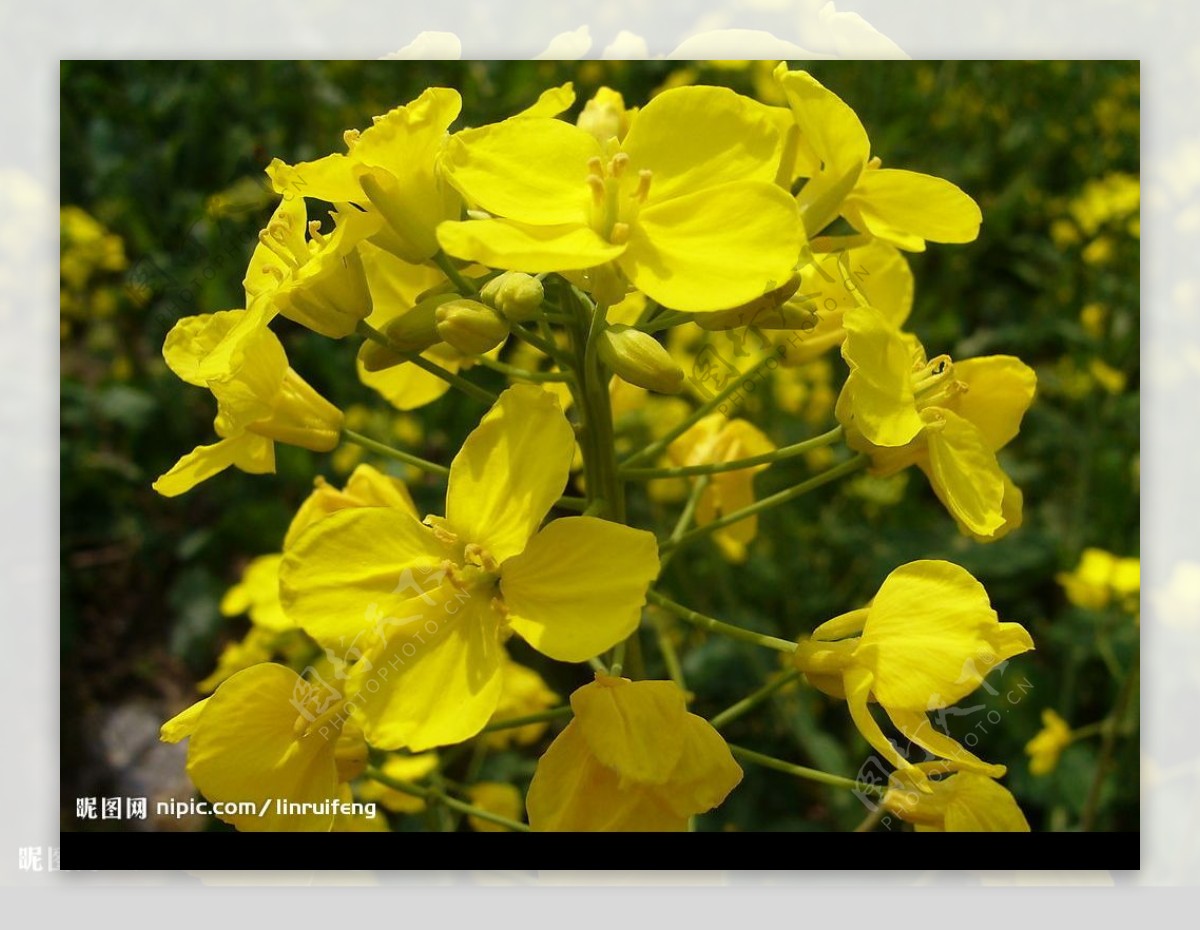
x=640 y=359
x=516 y=295
x=408 y=334
x=605 y=116
x=471 y=327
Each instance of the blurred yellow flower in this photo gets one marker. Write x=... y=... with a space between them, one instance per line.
x=1045 y=748
x=523 y=693
x=401 y=768
x=1101 y=578
x=496 y=798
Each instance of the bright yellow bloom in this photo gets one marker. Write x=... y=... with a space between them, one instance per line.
x=1045 y=748
x=949 y=419
x=810 y=321
x=926 y=641
x=258 y=594
x=633 y=759
x=713 y=440
x=1101 y=578
x=496 y=798
x=260 y=401
x=401 y=768
x=961 y=802
x=266 y=734
x=391 y=170
x=524 y=692
x=317 y=281
x=831 y=149
x=685 y=204
x=366 y=487
x=429 y=604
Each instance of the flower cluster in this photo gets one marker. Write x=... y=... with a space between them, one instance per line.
x=552 y=256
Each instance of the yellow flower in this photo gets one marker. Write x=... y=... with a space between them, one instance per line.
x=366 y=487
x=523 y=693
x=391 y=170
x=1045 y=748
x=713 y=440
x=401 y=768
x=926 y=641
x=633 y=759
x=433 y=602
x=495 y=798
x=260 y=400
x=318 y=281
x=258 y=594
x=949 y=419
x=684 y=205
x=1100 y=578
x=268 y=734
x=810 y=322
x=831 y=149
x=961 y=802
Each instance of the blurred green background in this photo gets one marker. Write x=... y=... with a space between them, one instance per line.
x=163 y=196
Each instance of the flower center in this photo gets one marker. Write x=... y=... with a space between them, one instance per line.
x=934 y=383
x=611 y=214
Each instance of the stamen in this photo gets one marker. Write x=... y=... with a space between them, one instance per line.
x=875 y=162
x=619 y=234
x=618 y=164
x=314 y=230
x=597 y=187
x=273 y=240
x=350 y=137
x=595 y=167
x=643 y=189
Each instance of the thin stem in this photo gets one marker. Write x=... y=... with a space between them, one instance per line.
x=801 y=771
x=1091 y=729
x=735 y=385
x=1108 y=745
x=715 y=468
x=751 y=701
x=381 y=449
x=465 y=287
x=544 y=346
x=839 y=471
x=553 y=713
x=684 y=521
x=572 y=503
x=432 y=795
x=522 y=374
x=665 y=321
x=667 y=648
x=719 y=626
x=370 y=332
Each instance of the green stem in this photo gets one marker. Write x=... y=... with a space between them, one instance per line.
x=715 y=468
x=801 y=771
x=703 y=410
x=684 y=521
x=553 y=713
x=572 y=503
x=1108 y=745
x=521 y=373
x=667 y=648
x=380 y=448
x=719 y=626
x=665 y=321
x=473 y=390
x=432 y=795
x=544 y=346
x=839 y=471
x=751 y=701
x=464 y=287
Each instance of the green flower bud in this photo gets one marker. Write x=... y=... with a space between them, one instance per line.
x=471 y=327
x=408 y=334
x=640 y=359
x=515 y=294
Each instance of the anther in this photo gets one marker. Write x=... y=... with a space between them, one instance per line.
x=643 y=189
x=619 y=234
x=596 y=184
x=618 y=164
x=595 y=167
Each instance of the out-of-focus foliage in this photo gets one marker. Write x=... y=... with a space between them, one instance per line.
x=163 y=193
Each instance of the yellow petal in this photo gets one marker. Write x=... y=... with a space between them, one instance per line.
x=258 y=594
x=251 y=392
x=395 y=284
x=551 y=103
x=330 y=178
x=857 y=684
x=981 y=805
x=716 y=248
x=1001 y=388
x=572 y=791
x=434 y=679
x=693 y=138
x=634 y=728
x=964 y=473
x=510 y=471
x=706 y=771
x=532 y=249
x=832 y=137
x=366 y=487
x=931 y=637
x=250 y=453
x=879 y=389
x=905 y=208
x=529 y=170
x=918 y=730
x=407 y=387
x=246 y=748
x=209 y=347
x=579 y=586
x=355 y=569
x=183 y=724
